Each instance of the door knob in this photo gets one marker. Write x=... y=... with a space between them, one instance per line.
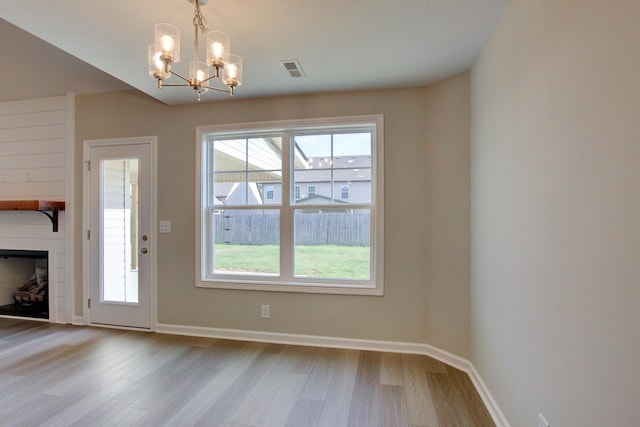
x=143 y=250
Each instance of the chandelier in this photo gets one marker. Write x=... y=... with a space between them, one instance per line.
x=165 y=51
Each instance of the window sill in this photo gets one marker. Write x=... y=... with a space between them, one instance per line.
x=312 y=288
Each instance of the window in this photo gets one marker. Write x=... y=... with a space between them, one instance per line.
x=327 y=241
x=311 y=191
x=344 y=192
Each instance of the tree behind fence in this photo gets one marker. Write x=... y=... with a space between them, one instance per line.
x=327 y=228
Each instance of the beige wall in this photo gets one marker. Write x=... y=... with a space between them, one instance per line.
x=556 y=212
x=426 y=214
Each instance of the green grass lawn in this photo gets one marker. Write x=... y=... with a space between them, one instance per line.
x=322 y=261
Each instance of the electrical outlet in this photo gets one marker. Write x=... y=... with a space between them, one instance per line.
x=265 y=311
x=542 y=422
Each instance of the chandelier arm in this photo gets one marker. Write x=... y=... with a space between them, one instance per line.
x=178 y=75
x=216 y=88
x=206 y=80
x=176 y=85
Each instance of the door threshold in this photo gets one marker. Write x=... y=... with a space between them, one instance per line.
x=124 y=328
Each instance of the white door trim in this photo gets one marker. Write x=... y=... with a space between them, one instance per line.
x=86 y=213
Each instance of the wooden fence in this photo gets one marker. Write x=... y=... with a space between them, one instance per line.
x=327 y=228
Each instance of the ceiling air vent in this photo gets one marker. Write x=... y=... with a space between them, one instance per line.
x=293 y=68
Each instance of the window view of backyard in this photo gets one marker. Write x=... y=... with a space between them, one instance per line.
x=327 y=244
x=312 y=261
x=324 y=211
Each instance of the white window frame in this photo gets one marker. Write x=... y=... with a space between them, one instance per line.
x=373 y=286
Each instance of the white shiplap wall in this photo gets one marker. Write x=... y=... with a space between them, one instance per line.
x=36 y=162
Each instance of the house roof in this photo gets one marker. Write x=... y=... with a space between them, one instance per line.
x=310 y=200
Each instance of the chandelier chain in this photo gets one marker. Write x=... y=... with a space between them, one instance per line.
x=199 y=21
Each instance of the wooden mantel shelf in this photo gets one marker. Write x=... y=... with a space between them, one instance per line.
x=48 y=207
x=31 y=205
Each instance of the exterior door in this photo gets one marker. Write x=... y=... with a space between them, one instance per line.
x=120 y=234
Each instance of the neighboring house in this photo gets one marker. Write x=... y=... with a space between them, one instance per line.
x=351 y=180
x=234 y=193
x=316 y=181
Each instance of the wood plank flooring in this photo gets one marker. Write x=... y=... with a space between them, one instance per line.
x=55 y=375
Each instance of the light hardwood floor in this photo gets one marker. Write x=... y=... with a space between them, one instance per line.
x=54 y=375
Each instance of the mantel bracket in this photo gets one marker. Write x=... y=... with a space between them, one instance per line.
x=53 y=216
x=50 y=208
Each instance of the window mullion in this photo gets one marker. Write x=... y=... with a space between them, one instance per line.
x=246 y=171
x=286 y=213
x=210 y=226
x=333 y=196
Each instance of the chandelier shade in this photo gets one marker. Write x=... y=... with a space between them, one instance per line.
x=165 y=51
x=218 y=49
x=156 y=66
x=198 y=74
x=232 y=72
x=167 y=42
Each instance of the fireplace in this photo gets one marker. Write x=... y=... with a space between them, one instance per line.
x=24 y=283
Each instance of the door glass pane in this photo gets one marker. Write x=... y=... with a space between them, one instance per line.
x=119 y=250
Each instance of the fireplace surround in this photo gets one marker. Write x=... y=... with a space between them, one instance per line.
x=24 y=283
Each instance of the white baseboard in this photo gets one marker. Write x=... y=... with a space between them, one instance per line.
x=315 y=341
x=354 y=344
x=77 y=320
x=487 y=397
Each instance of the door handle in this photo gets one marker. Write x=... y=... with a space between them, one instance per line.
x=143 y=250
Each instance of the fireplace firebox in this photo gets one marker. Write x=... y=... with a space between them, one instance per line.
x=24 y=283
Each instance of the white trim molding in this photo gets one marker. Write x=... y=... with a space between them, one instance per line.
x=286 y=280
x=78 y=321
x=348 y=343
x=487 y=397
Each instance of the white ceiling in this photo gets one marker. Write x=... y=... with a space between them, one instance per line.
x=341 y=45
